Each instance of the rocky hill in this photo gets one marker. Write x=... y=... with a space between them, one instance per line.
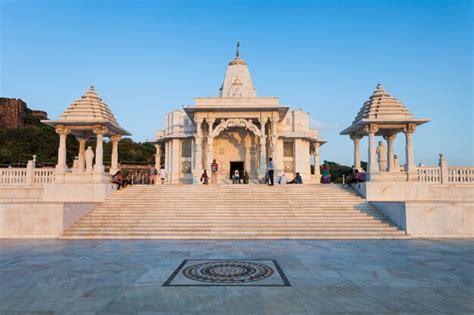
x=14 y=113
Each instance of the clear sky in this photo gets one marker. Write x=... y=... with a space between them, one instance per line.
x=146 y=58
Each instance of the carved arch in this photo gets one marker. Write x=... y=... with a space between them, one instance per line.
x=237 y=122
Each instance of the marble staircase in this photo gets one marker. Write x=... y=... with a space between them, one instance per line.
x=234 y=212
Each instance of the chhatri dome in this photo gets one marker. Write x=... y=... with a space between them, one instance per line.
x=237 y=80
x=87 y=110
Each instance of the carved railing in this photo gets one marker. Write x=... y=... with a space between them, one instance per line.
x=13 y=176
x=43 y=175
x=444 y=174
x=27 y=176
x=460 y=174
x=429 y=174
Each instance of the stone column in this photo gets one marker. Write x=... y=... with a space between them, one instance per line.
x=99 y=131
x=210 y=146
x=114 y=158
x=61 y=167
x=198 y=143
x=81 y=156
x=263 y=152
x=356 y=139
x=158 y=156
x=410 y=166
x=390 y=156
x=317 y=171
x=247 y=146
x=372 y=165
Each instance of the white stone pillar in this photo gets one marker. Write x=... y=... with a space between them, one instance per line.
x=158 y=156
x=356 y=139
x=247 y=146
x=317 y=171
x=81 y=156
x=167 y=157
x=372 y=165
x=263 y=152
x=390 y=155
x=114 y=158
x=410 y=165
x=175 y=160
x=99 y=131
x=210 y=145
x=63 y=133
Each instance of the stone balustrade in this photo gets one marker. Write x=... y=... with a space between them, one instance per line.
x=13 y=176
x=444 y=174
x=460 y=174
x=428 y=174
x=27 y=176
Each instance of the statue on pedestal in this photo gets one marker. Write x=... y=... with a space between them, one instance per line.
x=89 y=154
x=382 y=156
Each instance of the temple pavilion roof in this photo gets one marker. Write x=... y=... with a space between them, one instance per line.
x=384 y=110
x=88 y=111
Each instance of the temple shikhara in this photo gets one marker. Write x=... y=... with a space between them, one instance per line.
x=241 y=131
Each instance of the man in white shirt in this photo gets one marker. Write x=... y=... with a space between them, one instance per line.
x=162 y=174
x=271 y=170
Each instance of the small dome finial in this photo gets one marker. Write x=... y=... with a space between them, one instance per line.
x=379 y=86
x=237 y=51
x=92 y=88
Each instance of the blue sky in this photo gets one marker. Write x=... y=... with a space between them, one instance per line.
x=146 y=58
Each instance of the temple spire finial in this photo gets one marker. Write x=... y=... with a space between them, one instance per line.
x=237 y=51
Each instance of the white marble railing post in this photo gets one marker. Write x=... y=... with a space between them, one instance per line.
x=30 y=172
x=443 y=169
x=63 y=133
x=100 y=131
x=115 y=139
x=356 y=139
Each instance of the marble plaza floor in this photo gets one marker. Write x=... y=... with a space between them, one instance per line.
x=109 y=277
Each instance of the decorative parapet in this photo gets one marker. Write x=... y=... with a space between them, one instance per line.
x=445 y=174
x=27 y=176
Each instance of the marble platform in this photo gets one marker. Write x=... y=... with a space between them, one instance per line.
x=126 y=276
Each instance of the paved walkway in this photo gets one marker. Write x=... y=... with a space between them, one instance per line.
x=409 y=276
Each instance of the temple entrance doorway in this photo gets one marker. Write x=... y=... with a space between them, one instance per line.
x=237 y=165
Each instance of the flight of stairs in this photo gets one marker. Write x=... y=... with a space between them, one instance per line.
x=234 y=212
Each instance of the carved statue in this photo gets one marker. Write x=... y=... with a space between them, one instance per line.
x=382 y=156
x=89 y=159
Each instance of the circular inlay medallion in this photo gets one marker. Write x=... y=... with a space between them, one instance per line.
x=228 y=272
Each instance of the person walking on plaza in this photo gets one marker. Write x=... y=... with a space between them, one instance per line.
x=204 y=178
x=271 y=169
x=163 y=175
x=214 y=170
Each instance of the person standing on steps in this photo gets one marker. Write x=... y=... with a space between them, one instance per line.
x=162 y=174
x=214 y=170
x=152 y=172
x=271 y=169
